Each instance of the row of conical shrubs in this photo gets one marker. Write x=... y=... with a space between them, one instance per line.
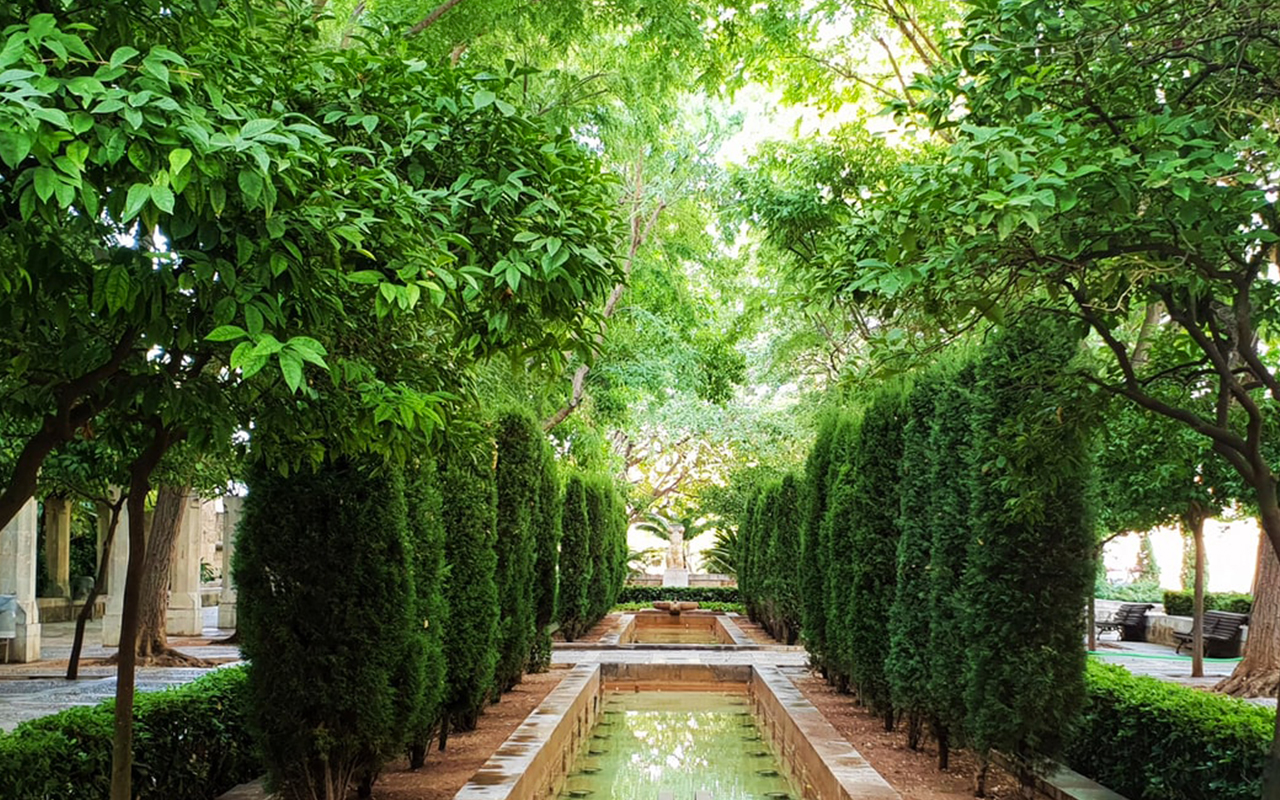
x=945 y=541
x=383 y=605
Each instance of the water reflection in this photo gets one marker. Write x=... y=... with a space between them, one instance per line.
x=679 y=743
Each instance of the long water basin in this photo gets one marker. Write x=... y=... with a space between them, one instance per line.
x=682 y=745
x=659 y=627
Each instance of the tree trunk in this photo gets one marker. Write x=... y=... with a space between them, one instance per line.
x=153 y=641
x=1258 y=673
x=122 y=741
x=1092 y=618
x=1194 y=520
x=86 y=611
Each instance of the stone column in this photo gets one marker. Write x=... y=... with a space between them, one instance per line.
x=57 y=547
x=117 y=572
x=18 y=577
x=231 y=506
x=184 y=617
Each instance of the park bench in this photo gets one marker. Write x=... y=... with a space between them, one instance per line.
x=1130 y=622
x=1221 y=634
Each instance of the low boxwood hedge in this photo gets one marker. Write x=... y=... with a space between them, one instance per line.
x=694 y=594
x=190 y=743
x=1151 y=740
x=1180 y=603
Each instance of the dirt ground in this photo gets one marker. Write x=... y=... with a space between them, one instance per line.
x=445 y=773
x=914 y=774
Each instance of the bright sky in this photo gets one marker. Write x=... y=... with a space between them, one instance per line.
x=1231 y=549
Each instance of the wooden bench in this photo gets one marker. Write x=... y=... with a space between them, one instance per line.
x=1221 y=634
x=1130 y=621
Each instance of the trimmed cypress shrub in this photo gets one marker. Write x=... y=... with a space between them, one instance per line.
x=546 y=565
x=950 y=477
x=874 y=542
x=1029 y=560
x=782 y=568
x=599 y=490
x=838 y=531
x=575 y=560
x=758 y=550
x=426 y=535
x=327 y=622
x=812 y=554
x=518 y=478
x=907 y=665
x=471 y=639
x=746 y=532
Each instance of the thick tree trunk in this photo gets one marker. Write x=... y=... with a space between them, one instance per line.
x=86 y=611
x=153 y=641
x=1258 y=673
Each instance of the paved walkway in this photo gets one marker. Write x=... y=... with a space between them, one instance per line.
x=28 y=691
x=1160 y=661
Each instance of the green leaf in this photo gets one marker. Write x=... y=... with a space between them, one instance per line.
x=45 y=181
x=178 y=158
x=256 y=127
x=121 y=55
x=139 y=194
x=226 y=333
x=14 y=147
x=483 y=99
x=250 y=183
x=309 y=349
x=291 y=368
x=162 y=196
x=253 y=319
x=117 y=288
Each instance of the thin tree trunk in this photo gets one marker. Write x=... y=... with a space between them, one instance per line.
x=139 y=484
x=1195 y=521
x=943 y=737
x=86 y=611
x=153 y=640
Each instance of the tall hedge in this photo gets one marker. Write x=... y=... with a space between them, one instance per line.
x=327 y=622
x=599 y=490
x=1029 y=568
x=874 y=543
x=758 y=550
x=427 y=540
x=907 y=665
x=746 y=532
x=546 y=565
x=812 y=554
x=781 y=583
x=471 y=639
x=518 y=479
x=950 y=476
x=838 y=533
x=575 y=560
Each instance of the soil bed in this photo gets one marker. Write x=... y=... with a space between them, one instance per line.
x=445 y=773
x=913 y=773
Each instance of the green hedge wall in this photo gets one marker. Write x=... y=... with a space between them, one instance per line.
x=190 y=743
x=1180 y=603
x=694 y=594
x=1151 y=740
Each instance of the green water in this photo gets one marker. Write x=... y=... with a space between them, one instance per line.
x=679 y=742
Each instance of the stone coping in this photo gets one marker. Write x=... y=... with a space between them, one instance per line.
x=617 y=637
x=1061 y=783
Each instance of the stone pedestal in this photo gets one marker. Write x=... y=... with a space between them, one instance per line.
x=117 y=571
x=183 y=617
x=230 y=519
x=57 y=547
x=675 y=577
x=18 y=577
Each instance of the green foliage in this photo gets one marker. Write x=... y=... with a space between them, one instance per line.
x=910 y=620
x=1180 y=603
x=546 y=567
x=1139 y=592
x=813 y=590
x=576 y=568
x=696 y=594
x=423 y=503
x=192 y=742
x=777 y=572
x=1029 y=562
x=471 y=593
x=599 y=498
x=866 y=599
x=837 y=539
x=327 y=622
x=1153 y=740
x=950 y=477
x=519 y=475
x=703 y=605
